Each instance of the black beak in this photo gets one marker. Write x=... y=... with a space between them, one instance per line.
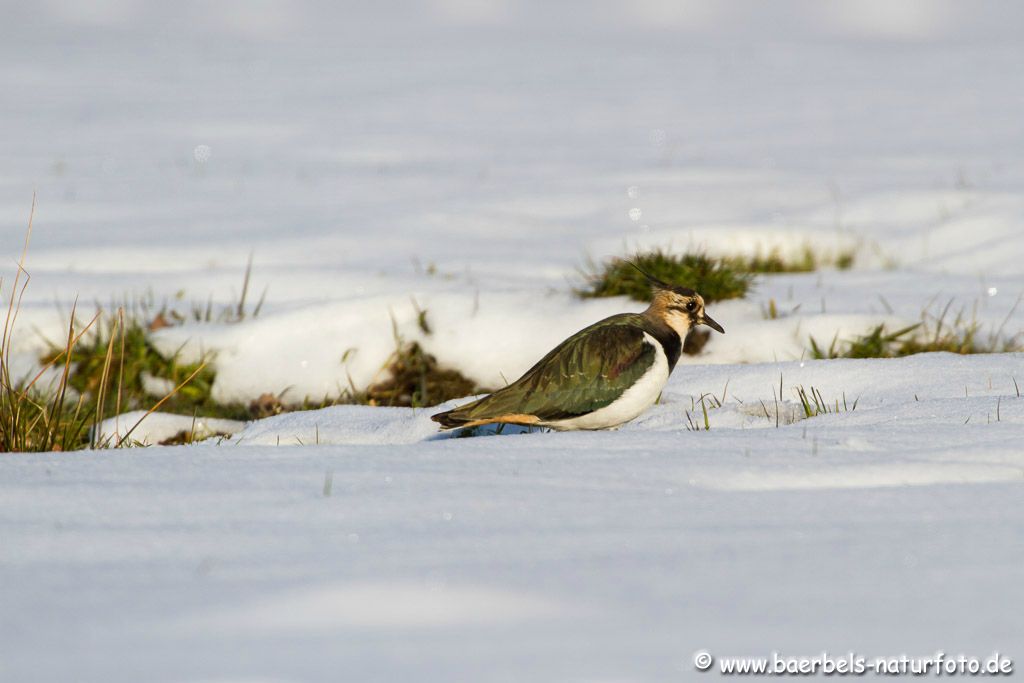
x=707 y=320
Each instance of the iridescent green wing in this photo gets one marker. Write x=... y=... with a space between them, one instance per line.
x=584 y=373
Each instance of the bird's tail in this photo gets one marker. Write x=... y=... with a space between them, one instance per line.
x=447 y=420
x=487 y=410
x=456 y=417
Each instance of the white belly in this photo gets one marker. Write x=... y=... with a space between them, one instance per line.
x=633 y=401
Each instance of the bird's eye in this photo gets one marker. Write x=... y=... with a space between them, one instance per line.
x=691 y=306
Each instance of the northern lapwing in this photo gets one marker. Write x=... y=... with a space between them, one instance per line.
x=601 y=377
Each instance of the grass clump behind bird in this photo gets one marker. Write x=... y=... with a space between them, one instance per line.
x=716 y=279
x=415 y=379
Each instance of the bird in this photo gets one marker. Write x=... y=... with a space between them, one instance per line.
x=601 y=377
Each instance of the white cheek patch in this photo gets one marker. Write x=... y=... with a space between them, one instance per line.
x=680 y=322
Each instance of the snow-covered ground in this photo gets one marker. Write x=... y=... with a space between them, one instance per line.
x=386 y=553
x=465 y=158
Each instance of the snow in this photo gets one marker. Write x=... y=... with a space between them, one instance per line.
x=465 y=159
x=147 y=429
x=375 y=606
x=342 y=425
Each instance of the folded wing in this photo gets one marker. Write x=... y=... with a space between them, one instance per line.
x=586 y=372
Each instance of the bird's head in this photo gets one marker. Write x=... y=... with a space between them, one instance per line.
x=680 y=308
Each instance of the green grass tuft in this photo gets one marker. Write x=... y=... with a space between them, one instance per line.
x=59 y=409
x=845 y=259
x=807 y=261
x=961 y=335
x=138 y=374
x=814 y=403
x=773 y=263
x=715 y=279
x=34 y=417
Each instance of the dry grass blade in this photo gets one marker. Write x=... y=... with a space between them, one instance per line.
x=104 y=376
x=65 y=352
x=57 y=408
x=12 y=309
